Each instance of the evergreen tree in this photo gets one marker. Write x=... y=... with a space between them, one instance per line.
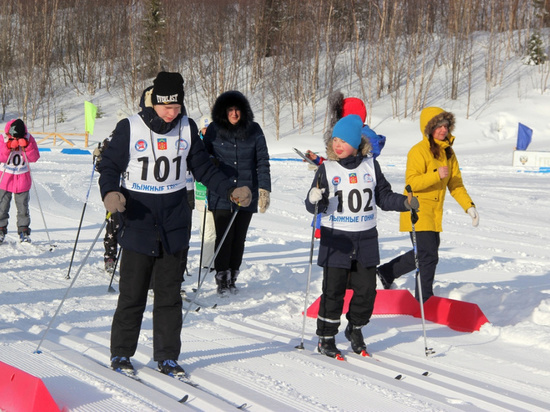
x=153 y=38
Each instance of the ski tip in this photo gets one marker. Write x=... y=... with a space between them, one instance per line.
x=425 y=373
x=184 y=399
x=365 y=354
x=243 y=406
x=339 y=357
x=398 y=377
x=198 y=308
x=215 y=306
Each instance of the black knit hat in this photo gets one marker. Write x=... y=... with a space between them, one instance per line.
x=17 y=129
x=168 y=89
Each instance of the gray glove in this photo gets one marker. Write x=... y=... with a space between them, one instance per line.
x=242 y=196
x=114 y=202
x=414 y=205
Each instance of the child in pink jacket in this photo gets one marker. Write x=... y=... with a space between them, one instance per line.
x=17 y=149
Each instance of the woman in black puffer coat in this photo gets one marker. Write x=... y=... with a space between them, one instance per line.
x=237 y=145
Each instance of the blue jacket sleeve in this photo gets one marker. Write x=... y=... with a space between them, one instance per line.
x=114 y=159
x=262 y=162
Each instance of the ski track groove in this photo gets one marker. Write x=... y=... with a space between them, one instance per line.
x=267 y=346
x=506 y=397
x=60 y=357
x=241 y=391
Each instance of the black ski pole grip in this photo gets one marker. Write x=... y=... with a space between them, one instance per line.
x=409 y=192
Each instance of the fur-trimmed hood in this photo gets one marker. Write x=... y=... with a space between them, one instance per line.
x=227 y=100
x=336 y=110
x=430 y=117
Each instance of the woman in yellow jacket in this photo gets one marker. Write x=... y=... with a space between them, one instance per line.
x=432 y=167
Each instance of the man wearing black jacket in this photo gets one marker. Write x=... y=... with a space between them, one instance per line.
x=152 y=151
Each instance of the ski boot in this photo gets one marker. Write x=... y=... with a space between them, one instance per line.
x=171 y=367
x=355 y=336
x=222 y=281
x=123 y=365
x=3 y=232
x=327 y=346
x=25 y=235
x=232 y=287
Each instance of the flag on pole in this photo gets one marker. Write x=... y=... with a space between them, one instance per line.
x=90 y=112
x=524 y=137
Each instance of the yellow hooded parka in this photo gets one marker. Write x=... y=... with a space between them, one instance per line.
x=423 y=176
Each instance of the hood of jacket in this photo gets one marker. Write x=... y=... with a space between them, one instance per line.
x=229 y=99
x=431 y=116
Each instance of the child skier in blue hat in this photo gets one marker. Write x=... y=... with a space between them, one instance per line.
x=348 y=188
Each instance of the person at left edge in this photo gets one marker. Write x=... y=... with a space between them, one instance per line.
x=17 y=148
x=152 y=151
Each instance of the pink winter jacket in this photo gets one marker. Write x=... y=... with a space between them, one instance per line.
x=15 y=173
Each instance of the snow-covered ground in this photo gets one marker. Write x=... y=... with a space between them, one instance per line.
x=244 y=349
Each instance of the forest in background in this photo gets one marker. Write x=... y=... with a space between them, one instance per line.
x=282 y=52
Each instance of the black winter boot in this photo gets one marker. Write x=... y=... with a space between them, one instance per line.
x=327 y=346
x=122 y=364
x=222 y=280
x=232 y=287
x=171 y=367
x=355 y=336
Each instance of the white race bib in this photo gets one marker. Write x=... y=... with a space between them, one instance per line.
x=158 y=162
x=352 y=206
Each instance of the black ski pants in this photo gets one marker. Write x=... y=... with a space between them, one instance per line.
x=136 y=272
x=427 y=245
x=335 y=282
x=231 y=253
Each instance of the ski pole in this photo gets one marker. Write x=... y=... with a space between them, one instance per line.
x=301 y=345
x=211 y=262
x=68 y=276
x=202 y=237
x=72 y=283
x=414 y=219
x=110 y=289
x=52 y=246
